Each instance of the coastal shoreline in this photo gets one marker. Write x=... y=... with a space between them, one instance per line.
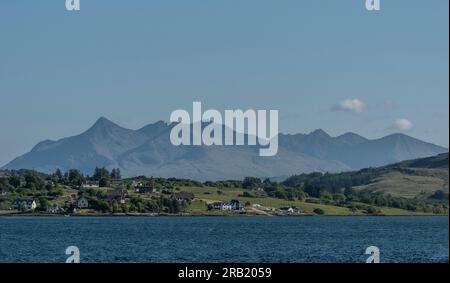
x=211 y=215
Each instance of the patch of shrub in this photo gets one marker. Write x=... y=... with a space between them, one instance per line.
x=319 y=211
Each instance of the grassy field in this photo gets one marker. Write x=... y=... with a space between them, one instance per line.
x=423 y=183
x=209 y=194
x=205 y=195
x=66 y=197
x=6 y=212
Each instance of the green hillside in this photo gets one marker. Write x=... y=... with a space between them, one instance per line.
x=407 y=188
x=419 y=178
x=438 y=161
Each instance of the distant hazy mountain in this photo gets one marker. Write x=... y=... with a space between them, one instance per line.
x=358 y=152
x=148 y=151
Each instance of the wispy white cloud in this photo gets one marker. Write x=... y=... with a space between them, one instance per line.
x=352 y=105
x=403 y=125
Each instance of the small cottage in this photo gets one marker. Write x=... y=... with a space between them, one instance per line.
x=24 y=204
x=118 y=195
x=184 y=196
x=145 y=190
x=90 y=184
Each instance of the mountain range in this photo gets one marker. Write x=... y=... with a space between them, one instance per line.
x=148 y=151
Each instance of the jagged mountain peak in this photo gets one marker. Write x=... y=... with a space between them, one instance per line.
x=350 y=134
x=148 y=151
x=157 y=125
x=351 y=138
x=103 y=123
x=153 y=130
x=319 y=133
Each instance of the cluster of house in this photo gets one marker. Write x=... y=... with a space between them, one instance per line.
x=289 y=210
x=263 y=208
x=284 y=210
x=55 y=209
x=30 y=205
x=184 y=196
x=24 y=204
x=82 y=202
x=96 y=184
x=121 y=195
x=143 y=189
x=138 y=187
x=231 y=205
x=4 y=174
x=112 y=195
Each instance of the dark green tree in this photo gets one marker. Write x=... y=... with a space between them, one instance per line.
x=104 y=182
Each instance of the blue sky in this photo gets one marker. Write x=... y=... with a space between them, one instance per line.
x=137 y=61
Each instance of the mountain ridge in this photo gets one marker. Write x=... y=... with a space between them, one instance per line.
x=148 y=151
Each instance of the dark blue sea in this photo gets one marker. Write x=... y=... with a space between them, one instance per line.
x=224 y=239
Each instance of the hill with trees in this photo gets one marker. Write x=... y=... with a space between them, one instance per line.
x=409 y=187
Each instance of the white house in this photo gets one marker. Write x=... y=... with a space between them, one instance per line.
x=82 y=203
x=289 y=209
x=232 y=205
x=226 y=206
x=145 y=189
x=91 y=184
x=54 y=209
x=27 y=204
